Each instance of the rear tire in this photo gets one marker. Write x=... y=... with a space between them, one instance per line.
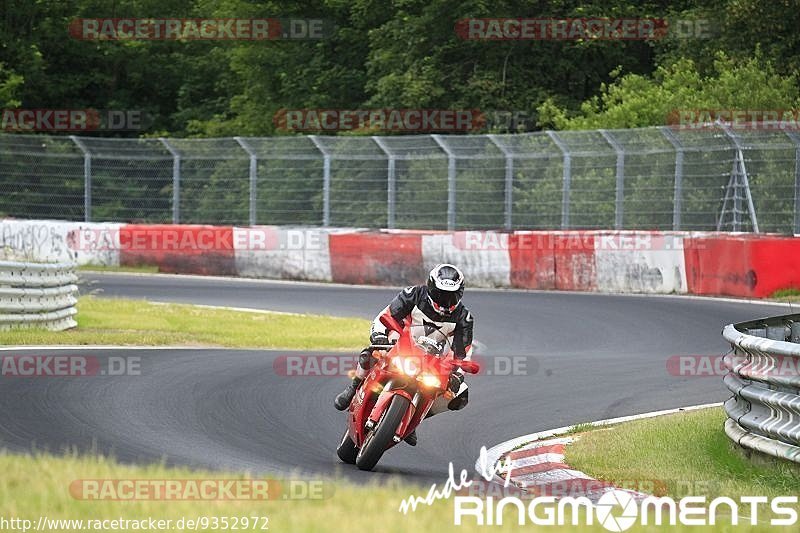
x=347 y=449
x=380 y=437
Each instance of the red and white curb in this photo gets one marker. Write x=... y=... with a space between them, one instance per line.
x=538 y=466
x=540 y=469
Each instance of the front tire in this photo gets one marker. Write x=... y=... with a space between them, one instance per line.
x=380 y=437
x=347 y=449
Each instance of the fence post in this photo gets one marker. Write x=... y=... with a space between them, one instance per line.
x=326 y=180
x=451 y=182
x=619 y=195
x=253 y=177
x=796 y=140
x=567 y=177
x=391 y=182
x=740 y=172
x=87 y=178
x=509 y=179
x=677 y=198
x=176 y=180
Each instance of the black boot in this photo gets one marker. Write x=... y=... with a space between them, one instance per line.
x=344 y=398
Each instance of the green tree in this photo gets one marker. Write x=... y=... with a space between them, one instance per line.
x=635 y=100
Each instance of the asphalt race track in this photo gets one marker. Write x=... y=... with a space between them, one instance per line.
x=585 y=357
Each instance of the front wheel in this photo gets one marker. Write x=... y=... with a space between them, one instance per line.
x=380 y=437
x=347 y=449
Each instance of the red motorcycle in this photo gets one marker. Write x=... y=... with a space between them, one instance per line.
x=397 y=393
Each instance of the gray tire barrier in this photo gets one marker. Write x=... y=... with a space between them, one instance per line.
x=764 y=378
x=41 y=295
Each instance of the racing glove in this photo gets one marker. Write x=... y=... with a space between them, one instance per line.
x=377 y=337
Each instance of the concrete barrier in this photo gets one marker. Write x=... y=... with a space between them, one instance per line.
x=605 y=261
x=376 y=258
x=483 y=266
x=190 y=249
x=742 y=265
x=640 y=261
x=60 y=241
x=282 y=253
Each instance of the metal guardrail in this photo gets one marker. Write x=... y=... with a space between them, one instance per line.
x=764 y=377
x=39 y=295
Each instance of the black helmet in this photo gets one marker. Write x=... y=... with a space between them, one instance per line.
x=445 y=288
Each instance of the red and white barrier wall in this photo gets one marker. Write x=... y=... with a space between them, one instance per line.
x=608 y=261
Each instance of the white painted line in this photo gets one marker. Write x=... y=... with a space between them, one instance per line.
x=110 y=347
x=120 y=347
x=235 y=279
x=550 y=442
x=551 y=476
x=538 y=460
x=229 y=308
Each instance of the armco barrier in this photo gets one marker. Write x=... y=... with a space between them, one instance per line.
x=37 y=295
x=764 y=377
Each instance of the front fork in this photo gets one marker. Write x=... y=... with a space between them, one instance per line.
x=389 y=391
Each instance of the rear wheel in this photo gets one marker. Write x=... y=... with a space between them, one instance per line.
x=380 y=437
x=347 y=449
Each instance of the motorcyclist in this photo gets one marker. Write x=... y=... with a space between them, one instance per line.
x=435 y=306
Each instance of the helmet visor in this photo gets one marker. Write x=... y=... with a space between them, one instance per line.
x=448 y=300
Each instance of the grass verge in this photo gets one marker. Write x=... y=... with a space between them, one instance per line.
x=43 y=485
x=39 y=486
x=140 y=269
x=786 y=295
x=681 y=454
x=137 y=322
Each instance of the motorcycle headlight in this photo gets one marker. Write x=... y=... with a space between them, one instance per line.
x=430 y=380
x=406 y=365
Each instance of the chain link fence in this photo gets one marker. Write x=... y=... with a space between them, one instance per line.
x=649 y=178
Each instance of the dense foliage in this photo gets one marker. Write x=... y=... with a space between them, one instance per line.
x=402 y=54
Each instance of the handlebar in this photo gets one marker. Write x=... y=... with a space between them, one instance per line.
x=381 y=346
